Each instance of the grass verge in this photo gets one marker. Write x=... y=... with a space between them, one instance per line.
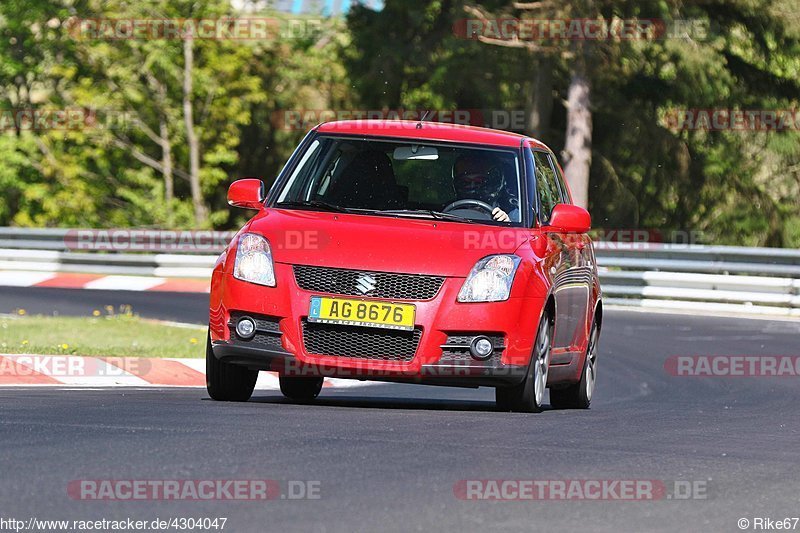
x=113 y=336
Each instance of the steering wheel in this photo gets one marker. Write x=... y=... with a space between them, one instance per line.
x=468 y=202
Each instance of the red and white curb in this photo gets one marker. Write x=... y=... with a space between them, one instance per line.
x=21 y=278
x=72 y=370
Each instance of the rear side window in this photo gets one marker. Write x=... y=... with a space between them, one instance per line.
x=546 y=185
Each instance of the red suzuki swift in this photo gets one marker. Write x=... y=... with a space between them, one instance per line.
x=409 y=252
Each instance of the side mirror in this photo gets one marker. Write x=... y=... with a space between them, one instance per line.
x=568 y=218
x=247 y=193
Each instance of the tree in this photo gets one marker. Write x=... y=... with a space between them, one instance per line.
x=200 y=214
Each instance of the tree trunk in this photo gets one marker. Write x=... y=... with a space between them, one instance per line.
x=540 y=99
x=200 y=214
x=578 y=143
x=166 y=163
x=166 y=145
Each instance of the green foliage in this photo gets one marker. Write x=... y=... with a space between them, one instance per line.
x=732 y=187
x=110 y=170
x=737 y=187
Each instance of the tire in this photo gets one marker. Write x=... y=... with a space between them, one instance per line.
x=528 y=396
x=302 y=389
x=579 y=395
x=226 y=382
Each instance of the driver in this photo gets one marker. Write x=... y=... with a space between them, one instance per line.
x=478 y=176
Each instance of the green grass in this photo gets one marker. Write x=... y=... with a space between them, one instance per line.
x=115 y=336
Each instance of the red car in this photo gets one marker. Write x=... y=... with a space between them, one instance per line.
x=410 y=252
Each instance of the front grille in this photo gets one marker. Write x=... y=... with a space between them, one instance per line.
x=268 y=332
x=456 y=349
x=387 y=284
x=360 y=342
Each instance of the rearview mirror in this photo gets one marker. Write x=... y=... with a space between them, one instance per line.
x=247 y=193
x=568 y=218
x=415 y=152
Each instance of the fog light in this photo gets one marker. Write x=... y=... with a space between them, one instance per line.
x=246 y=328
x=481 y=348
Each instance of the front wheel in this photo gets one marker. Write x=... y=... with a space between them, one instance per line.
x=226 y=382
x=528 y=396
x=302 y=389
x=579 y=395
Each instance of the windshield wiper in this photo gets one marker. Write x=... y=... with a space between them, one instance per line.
x=315 y=204
x=430 y=213
x=416 y=213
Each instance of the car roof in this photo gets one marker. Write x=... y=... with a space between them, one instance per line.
x=433 y=131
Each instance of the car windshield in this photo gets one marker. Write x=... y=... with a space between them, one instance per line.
x=406 y=178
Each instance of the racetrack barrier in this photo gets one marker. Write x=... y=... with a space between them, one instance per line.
x=649 y=275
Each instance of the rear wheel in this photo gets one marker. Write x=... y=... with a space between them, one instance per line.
x=528 y=395
x=300 y=389
x=226 y=382
x=579 y=395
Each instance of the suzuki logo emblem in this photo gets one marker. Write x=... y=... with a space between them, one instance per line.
x=365 y=283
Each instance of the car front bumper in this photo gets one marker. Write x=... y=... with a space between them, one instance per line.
x=279 y=345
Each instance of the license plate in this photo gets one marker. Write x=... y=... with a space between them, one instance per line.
x=353 y=312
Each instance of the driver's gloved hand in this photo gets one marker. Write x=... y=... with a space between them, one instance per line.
x=500 y=215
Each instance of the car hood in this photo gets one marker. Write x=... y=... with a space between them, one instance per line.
x=388 y=244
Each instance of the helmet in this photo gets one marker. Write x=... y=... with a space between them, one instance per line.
x=478 y=176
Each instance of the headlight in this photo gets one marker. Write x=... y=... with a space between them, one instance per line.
x=490 y=279
x=254 y=260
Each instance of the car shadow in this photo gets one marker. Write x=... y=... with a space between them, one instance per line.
x=372 y=402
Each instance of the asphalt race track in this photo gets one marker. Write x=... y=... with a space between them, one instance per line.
x=182 y=306
x=387 y=457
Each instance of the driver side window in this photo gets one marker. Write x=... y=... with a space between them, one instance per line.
x=546 y=185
